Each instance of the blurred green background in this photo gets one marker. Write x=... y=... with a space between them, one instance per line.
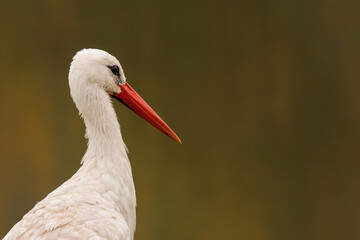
x=264 y=95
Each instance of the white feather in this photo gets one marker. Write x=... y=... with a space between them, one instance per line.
x=98 y=201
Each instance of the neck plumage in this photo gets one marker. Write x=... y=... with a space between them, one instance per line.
x=106 y=158
x=105 y=142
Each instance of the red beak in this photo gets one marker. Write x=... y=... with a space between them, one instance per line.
x=132 y=100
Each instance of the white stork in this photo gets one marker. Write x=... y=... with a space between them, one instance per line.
x=98 y=201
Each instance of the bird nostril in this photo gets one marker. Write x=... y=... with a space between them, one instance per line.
x=131 y=89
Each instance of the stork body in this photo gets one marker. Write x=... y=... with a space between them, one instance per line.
x=98 y=201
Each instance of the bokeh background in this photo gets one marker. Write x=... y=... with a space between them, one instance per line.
x=264 y=95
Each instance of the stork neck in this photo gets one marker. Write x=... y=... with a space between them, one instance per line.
x=106 y=157
x=102 y=130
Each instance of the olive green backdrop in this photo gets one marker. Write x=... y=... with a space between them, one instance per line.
x=265 y=96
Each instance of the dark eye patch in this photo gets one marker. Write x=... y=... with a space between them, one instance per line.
x=115 y=70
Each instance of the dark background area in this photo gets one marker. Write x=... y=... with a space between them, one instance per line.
x=264 y=95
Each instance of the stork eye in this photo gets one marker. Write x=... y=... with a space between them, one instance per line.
x=115 y=70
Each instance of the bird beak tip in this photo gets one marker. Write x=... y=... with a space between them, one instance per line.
x=178 y=140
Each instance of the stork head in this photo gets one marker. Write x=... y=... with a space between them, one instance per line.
x=95 y=68
x=96 y=74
